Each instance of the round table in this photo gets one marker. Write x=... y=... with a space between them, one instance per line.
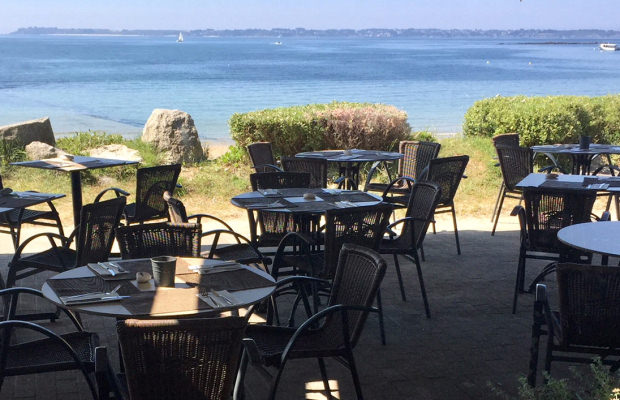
x=350 y=160
x=595 y=237
x=242 y=298
x=582 y=158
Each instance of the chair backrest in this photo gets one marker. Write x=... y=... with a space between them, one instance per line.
x=516 y=163
x=421 y=207
x=316 y=167
x=159 y=239
x=506 y=139
x=261 y=153
x=176 y=209
x=363 y=226
x=417 y=156
x=151 y=184
x=279 y=180
x=589 y=304
x=447 y=172
x=189 y=359
x=95 y=234
x=549 y=210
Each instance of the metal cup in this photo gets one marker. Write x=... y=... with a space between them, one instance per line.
x=584 y=142
x=164 y=269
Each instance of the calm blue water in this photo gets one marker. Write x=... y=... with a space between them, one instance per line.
x=113 y=83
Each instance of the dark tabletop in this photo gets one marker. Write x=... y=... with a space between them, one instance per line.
x=576 y=150
x=79 y=163
x=356 y=156
x=571 y=182
x=17 y=200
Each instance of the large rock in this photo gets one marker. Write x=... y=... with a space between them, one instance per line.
x=173 y=132
x=116 y=151
x=40 y=151
x=23 y=133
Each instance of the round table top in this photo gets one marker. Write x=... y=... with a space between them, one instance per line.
x=193 y=305
x=352 y=156
x=594 y=148
x=596 y=237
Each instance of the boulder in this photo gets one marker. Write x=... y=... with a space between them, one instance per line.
x=23 y=133
x=40 y=151
x=116 y=151
x=173 y=132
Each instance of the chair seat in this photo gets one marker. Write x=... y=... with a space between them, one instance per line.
x=48 y=355
x=243 y=253
x=27 y=216
x=304 y=264
x=58 y=259
x=396 y=245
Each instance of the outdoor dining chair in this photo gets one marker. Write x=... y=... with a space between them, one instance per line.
x=261 y=155
x=189 y=359
x=422 y=202
x=316 y=167
x=587 y=324
x=159 y=239
x=333 y=332
x=506 y=140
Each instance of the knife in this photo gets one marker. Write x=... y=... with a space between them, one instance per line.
x=110 y=270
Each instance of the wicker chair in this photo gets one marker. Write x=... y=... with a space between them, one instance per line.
x=420 y=210
x=242 y=250
x=333 y=332
x=506 y=140
x=48 y=351
x=93 y=242
x=317 y=168
x=273 y=225
x=416 y=157
x=261 y=155
x=12 y=221
x=151 y=184
x=516 y=163
x=189 y=359
x=546 y=212
x=159 y=239
x=447 y=173
x=588 y=321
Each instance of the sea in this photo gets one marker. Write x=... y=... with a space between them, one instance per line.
x=113 y=83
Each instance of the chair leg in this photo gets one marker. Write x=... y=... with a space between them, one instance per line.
x=238 y=391
x=499 y=210
x=456 y=231
x=400 y=278
x=422 y=252
x=519 y=279
x=354 y=375
x=548 y=355
x=427 y=308
x=381 y=325
x=326 y=387
x=534 y=347
x=276 y=381
x=499 y=195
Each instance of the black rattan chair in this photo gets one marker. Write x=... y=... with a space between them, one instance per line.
x=151 y=183
x=93 y=242
x=333 y=332
x=261 y=155
x=420 y=210
x=316 y=167
x=506 y=140
x=587 y=324
x=189 y=359
x=47 y=351
x=11 y=222
x=546 y=212
x=159 y=239
x=447 y=174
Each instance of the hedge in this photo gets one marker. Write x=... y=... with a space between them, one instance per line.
x=322 y=126
x=546 y=120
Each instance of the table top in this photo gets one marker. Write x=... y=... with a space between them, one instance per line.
x=293 y=201
x=17 y=200
x=574 y=149
x=246 y=286
x=596 y=237
x=79 y=163
x=571 y=182
x=355 y=156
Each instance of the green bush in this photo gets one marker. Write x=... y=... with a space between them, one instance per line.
x=320 y=126
x=546 y=120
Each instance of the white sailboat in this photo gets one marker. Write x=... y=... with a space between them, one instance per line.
x=607 y=46
x=180 y=39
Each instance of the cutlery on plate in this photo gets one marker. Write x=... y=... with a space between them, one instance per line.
x=107 y=268
x=118 y=268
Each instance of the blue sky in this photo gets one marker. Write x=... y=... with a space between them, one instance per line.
x=318 y=14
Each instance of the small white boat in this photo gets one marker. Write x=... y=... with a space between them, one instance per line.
x=180 y=39
x=278 y=43
x=607 y=46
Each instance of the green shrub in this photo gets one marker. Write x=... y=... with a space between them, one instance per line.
x=320 y=126
x=546 y=120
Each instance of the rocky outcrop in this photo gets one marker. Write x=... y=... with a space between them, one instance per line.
x=116 y=151
x=23 y=133
x=173 y=132
x=40 y=151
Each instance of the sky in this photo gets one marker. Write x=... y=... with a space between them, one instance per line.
x=311 y=14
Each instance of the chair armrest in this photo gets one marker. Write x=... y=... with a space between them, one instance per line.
x=371 y=174
x=199 y=217
x=520 y=212
x=66 y=242
x=410 y=182
x=403 y=220
x=119 y=192
x=238 y=237
x=271 y=166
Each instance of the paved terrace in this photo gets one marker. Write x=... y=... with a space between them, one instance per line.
x=471 y=339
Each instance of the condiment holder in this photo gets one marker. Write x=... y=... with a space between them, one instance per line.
x=309 y=196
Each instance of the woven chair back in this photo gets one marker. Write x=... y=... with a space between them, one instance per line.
x=506 y=139
x=95 y=234
x=159 y=239
x=189 y=359
x=363 y=226
x=152 y=182
x=416 y=156
x=422 y=203
x=516 y=163
x=279 y=180
x=317 y=168
x=589 y=304
x=447 y=172
x=176 y=209
x=261 y=153
x=547 y=211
